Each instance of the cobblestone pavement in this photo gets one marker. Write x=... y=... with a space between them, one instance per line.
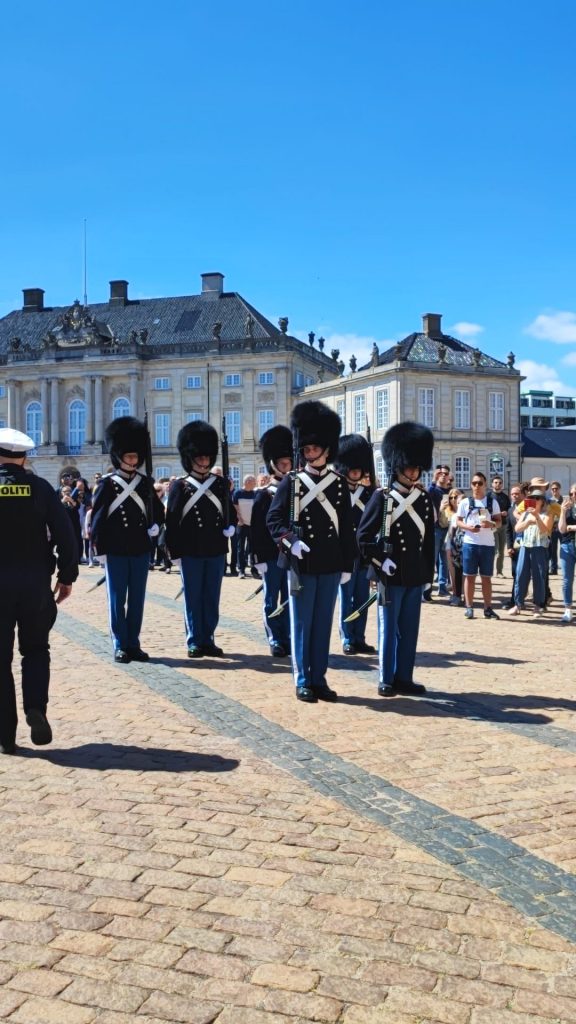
x=197 y=846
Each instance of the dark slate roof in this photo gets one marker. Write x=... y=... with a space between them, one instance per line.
x=540 y=442
x=420 y=348
x=183 y=322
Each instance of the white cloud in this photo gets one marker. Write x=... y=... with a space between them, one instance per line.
x=541 y=377
x=359 y=345
x=559 y=327
x=465 y=329
x=569 y=360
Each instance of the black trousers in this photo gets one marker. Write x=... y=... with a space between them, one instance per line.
x=26 y=605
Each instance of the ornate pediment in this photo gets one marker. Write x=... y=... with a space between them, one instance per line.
x=78 y=329
x=75 y=392
x=232 y=399
x=266 y=396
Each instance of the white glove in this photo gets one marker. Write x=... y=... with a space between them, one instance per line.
x=389 y=567
x=154 y=530
x=345 y=577
x=229 y=531
x=262 y=567
x=298 y=547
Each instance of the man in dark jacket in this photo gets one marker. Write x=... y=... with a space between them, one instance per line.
x=354 y=461
x=396 y=537
x=32 y=523
x=276 y=448
x=311 y=521
x=126 y=514
x=199 y=520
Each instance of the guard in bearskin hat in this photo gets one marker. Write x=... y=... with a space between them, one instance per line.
x=355 y=462
x=310 y=519
x=199 y=509
x=396 y=538
x=126 y=514
x=276 y=448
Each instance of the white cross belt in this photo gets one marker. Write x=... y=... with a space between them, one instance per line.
x=128 y=491
x=316 y=490
x=199 y=490
x=406 y=505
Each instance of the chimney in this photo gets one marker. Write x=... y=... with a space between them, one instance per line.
x=33 y=300
x=212 y=285
x=432 y=325
x=118 y=293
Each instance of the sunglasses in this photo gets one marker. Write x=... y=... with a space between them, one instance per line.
x=477 y=483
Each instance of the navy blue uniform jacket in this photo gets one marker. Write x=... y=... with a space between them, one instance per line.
x=263 y=546
x=330 y=550
x=412 y=553
x=199 y=534
x=125 y=532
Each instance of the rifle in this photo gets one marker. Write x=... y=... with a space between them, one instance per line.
x=149 y=471
x=294 y=582
x=372 y=467
x=226 y=475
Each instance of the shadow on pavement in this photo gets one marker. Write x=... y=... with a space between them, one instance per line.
x=506 y=709
x=101 y=756
x=440 y=659
x=231 y=662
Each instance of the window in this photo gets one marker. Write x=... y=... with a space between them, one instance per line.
x=262 y=470
x=232 y=380
x=308 y=381
x=162 y=471
x=341 y=410
x=235 y=476
x=192 y=415
x=232 y=422
x=34 y=422
x=496 y=410
x=462 y=473
x=265 y=378
x=383 y=409
x=265 y=420
x=524 y=421
x=359 y=413
x=426 y=478
x=161 y=383
x=426 y=406
x=2 y=391
x=381 y=474
x=298 y=380
x=121 y=407
x=461 y=410
x=76 y=426
x=194 y=381
x=162 y=422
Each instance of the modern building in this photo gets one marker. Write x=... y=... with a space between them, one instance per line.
x=65 y=372
x=545 y=409
x=550 y=454
x=470 y=400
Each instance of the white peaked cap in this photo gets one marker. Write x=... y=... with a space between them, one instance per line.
x=15 y=442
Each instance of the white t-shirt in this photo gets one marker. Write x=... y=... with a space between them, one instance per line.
x=472 y=518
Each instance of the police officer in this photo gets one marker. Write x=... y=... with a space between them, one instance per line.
x=310 y=518
x=32 y=523
x=126 y=514
x=396 y=537
x=197 y=534
x=276 y=448
x=355 y=461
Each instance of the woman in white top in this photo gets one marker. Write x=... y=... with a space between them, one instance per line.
x=533 y=527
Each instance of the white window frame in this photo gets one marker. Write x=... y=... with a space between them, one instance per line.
x=359 y=413
x=298 y=379
x=462 y=409
x=426 y=478
x=192 y=415
x=162 y=384
x=382 y=408
x=380 y=470
x=233 y=426
x=235 y=477
x=76 y=425
x=341 y=411
x=126 y=410
x=266 y=378
x=495 y=410
x=35 y=422
x=162 y=429
x=426 y=406
x=232 y=380
x=193 y=380
x=162 y=471
x=462 y=472
x=266 y=420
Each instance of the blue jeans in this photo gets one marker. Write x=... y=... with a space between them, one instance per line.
x=311 y=614
x=352 y=595
x=440 y=560
x=398 y=625
x=532 y=562
x=202 y=581
x=275 y=583
x=568 y=559
x=126 y=578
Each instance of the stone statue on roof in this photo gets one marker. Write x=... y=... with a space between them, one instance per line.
x=249 y=326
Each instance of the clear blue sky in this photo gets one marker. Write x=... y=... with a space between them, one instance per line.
x=350 y=166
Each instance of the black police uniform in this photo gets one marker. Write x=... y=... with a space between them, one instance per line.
x=275 y=581
x=32 y=523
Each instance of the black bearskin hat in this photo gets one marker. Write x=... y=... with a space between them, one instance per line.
x=354 y=452
x=275 y=444
x=407 y=444
x=314 y=423
x=126 y=434
x=197 y=438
